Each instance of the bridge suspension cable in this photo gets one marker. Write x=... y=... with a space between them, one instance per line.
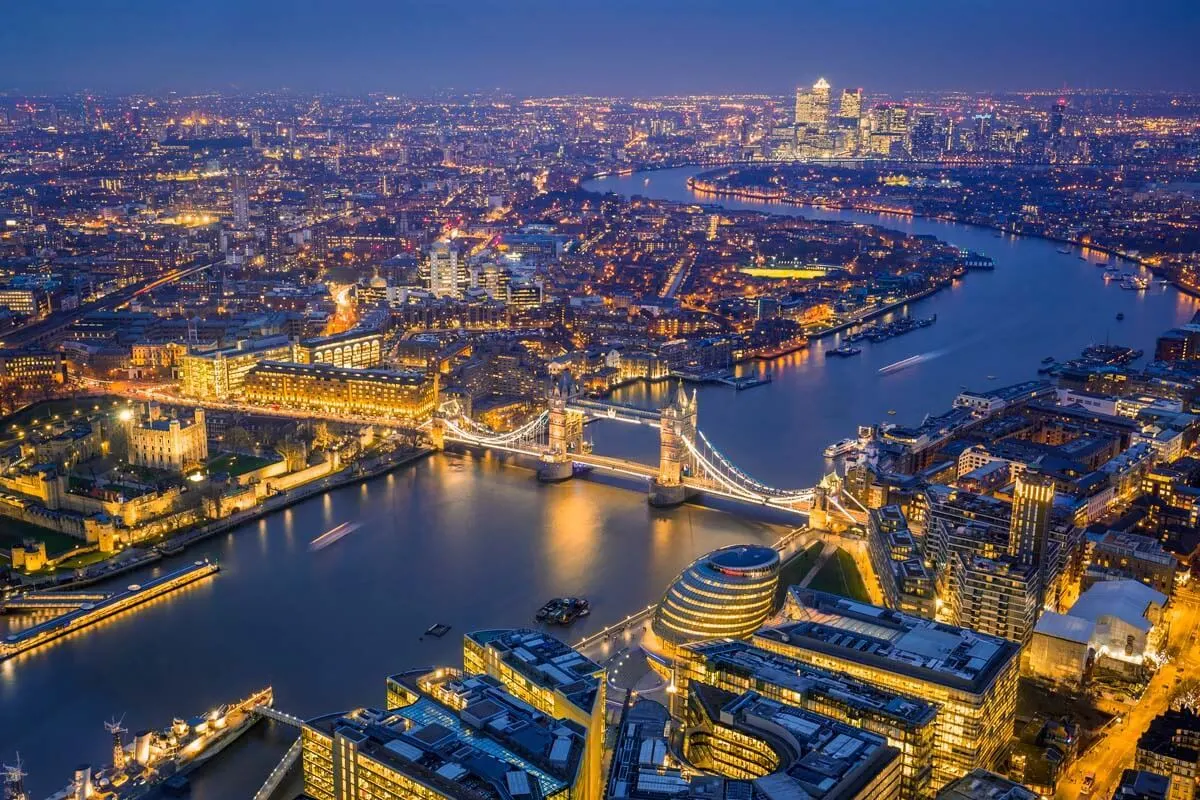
x=738 y=482
x=479 y=434
x=756 y=485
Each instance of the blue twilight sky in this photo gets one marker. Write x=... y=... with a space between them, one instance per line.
x=596 y=46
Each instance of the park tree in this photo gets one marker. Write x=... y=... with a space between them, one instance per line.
x=238 y=440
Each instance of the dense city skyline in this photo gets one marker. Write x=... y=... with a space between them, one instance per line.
x=619 y=48
x=722 y=401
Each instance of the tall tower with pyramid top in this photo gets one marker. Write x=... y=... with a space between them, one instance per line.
x=675 y=458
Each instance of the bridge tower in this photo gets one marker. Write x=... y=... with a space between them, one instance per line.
x=675 y=460
x=825 y=497
x=565 y=432
x=437 y=432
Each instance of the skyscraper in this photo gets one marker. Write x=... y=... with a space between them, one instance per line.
x=241 y=203
x=926 y=139
x=1033 y=497
x=889 y=129
x=1057 y=121
x=447 y=277
x=272 y=245
x=851 y=105
x=812 y=109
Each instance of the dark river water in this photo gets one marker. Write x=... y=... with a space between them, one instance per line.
x=475 y=543
x=992 y=328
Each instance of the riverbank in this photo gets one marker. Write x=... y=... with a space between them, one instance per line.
x=279 y=502
x=753 y=196
x=285 y=500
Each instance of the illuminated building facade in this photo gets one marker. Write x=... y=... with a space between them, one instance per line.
x=996 y=564
x=889 y=130
x=728 y=593
x=403 y=396
x=850 y=109
x=786 y=751
x=354 y=349
x=446 y=735
x=30 y=369
x=523 y=293
x=25 y=302
x=996 y=596
x=972 y=677
x=168 y=443
x=553 y=678
x=1033 y=498
x=240 y=203
x=907 y=723
x=221 y=374
x=1171 y=747
x=899 y=562
x=812 y=108
x=448 y=276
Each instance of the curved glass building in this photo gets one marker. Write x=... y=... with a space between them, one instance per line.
x=728 y=593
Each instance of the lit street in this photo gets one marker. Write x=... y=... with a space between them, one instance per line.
x=1115 y=751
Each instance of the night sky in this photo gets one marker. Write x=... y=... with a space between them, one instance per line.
x=540 y=47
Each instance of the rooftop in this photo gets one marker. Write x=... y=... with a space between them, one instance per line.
x=352 y=335
x=493 y=742
x=1142 y=785
x=743 y=658
x=887 y=639
x=820 y=758
x=343 y=373
x=546 y=661
x=1128 y=600
x=1065 y=627
x=1163 y=736
x=743 y=557
x=983 y=785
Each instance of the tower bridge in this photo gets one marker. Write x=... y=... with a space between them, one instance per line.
x=688 y=463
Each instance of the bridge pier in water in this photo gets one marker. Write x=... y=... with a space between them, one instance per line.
x=675 y=460
x=688 y=463
x=564 y=432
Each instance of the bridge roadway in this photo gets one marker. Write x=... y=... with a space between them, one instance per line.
x=520 y=445
x=620 y=412
x=627 y=467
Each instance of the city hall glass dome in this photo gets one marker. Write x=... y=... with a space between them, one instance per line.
x=728 y=593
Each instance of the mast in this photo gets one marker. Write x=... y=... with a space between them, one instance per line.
x=116 y=729
x=14 y=781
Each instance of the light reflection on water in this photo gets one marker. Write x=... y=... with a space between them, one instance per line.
x=473 y=543
x=464 y=540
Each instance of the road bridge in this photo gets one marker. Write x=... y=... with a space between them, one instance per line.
x=689 y=464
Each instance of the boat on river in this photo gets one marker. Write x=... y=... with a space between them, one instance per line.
x=841 y=448
x=564 y=610
x=156 y=758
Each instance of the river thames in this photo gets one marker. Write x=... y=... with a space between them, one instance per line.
x=998 y=325
x=470 y=542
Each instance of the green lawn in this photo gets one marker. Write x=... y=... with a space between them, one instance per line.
x=14 y=531
x=84 y=560
x=794 y=570
x=236 y=464
x=839 y=575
